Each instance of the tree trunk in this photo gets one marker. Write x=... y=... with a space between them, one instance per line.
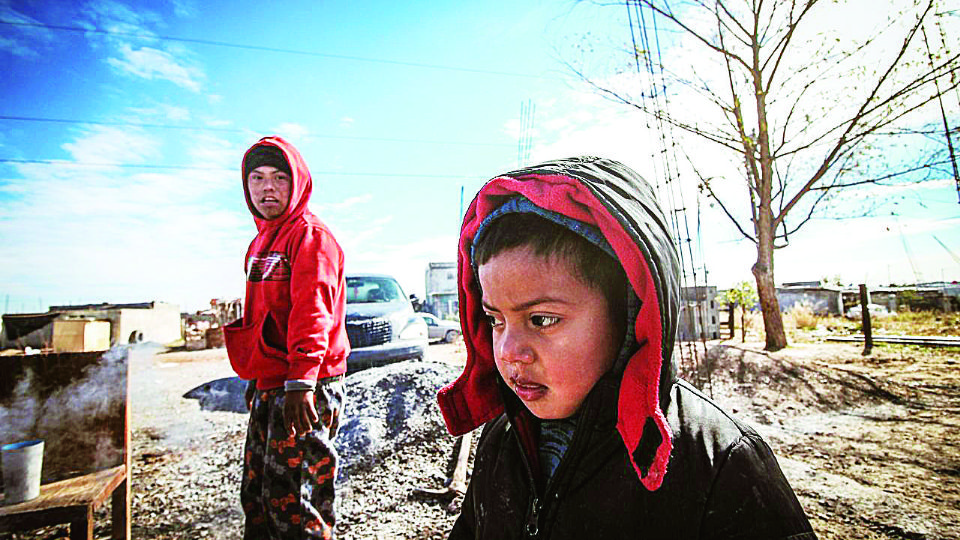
x=766 y=289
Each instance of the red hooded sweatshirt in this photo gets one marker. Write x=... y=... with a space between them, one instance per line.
x=293 y=319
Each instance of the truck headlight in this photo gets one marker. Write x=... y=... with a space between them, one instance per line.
x=414 y=329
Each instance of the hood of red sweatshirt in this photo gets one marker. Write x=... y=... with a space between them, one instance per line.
x=619 y=203
x=302 y=183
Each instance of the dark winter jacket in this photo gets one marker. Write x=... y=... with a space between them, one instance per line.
x=651 y=457
x=293 y=318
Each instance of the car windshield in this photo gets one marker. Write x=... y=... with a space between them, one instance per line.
x=368 y=289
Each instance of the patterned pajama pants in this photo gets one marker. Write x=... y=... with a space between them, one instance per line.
x=287 y=490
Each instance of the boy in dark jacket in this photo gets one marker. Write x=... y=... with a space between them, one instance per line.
x=569 y=297
x=291 y=343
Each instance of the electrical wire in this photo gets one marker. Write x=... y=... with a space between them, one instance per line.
x=672 y=191
x=243 y=46
x=230 y=169
x=237 y=130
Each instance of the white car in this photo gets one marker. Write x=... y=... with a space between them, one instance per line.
x=381 y=324
x=447 y=331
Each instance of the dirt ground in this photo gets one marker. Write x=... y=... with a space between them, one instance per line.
x=871 y=444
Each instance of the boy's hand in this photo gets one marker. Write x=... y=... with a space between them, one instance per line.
x=299 y=412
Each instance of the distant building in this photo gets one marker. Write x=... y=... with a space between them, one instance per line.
x=821 y=299
x=698 y=313
x=92 y=326
x=922 y=297
x=832 y=300
x=441 y=290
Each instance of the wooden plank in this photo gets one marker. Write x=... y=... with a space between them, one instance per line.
x=120 y=511
x=62 y=502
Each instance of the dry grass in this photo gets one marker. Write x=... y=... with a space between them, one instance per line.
x=801 y=317
x=919 y=323
x=803 y=326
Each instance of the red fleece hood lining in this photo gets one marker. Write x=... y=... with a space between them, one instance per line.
x=473 y=399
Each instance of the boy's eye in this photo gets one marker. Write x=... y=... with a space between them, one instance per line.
x=493 y=321
x=543 y=321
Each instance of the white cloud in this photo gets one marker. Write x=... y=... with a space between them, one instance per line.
x=135 y=48
x=162 y=111
x=185 y=9
x=22 y=41
x=105 y=144
x=117 y=16
x=149 y=63
x=117 y=234
x=292 y=132
x=212 y=152
x=17 y=47
x=344 y=205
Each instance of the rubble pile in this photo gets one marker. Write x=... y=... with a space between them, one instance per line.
x=392 y=440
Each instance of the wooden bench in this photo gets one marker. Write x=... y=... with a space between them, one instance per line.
x=74 y=499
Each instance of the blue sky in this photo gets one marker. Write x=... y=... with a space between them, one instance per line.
x=119 y=145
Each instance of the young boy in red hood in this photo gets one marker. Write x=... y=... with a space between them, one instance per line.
x=291 y=343
x=569 y=299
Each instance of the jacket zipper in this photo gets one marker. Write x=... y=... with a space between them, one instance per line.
x=532 y=527
x=550 y=495
x=533 y=518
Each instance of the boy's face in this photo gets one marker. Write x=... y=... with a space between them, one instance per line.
x=552 y=334
x=269 y=191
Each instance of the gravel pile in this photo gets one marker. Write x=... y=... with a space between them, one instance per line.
x=392 y=441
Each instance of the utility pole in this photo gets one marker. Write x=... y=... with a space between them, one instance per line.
x=525 y=141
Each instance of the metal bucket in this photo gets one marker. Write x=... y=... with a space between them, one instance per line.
x=22 y=463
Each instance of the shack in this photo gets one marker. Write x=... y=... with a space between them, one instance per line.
x=92 y=327
x=698 y=313
x=821 y=299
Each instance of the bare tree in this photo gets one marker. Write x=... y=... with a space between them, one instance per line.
x=799 y=110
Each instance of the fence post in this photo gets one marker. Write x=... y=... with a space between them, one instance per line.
x=865 y=316
x=730 y=320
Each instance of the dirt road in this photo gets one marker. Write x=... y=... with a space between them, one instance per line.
x=870 y=444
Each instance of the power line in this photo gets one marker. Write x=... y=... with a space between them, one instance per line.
x=235 y=130
x=228 y=169
x=352 y=58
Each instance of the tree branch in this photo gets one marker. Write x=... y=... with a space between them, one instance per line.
x=705 y=183
x=675 y=20
x=842 y=141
